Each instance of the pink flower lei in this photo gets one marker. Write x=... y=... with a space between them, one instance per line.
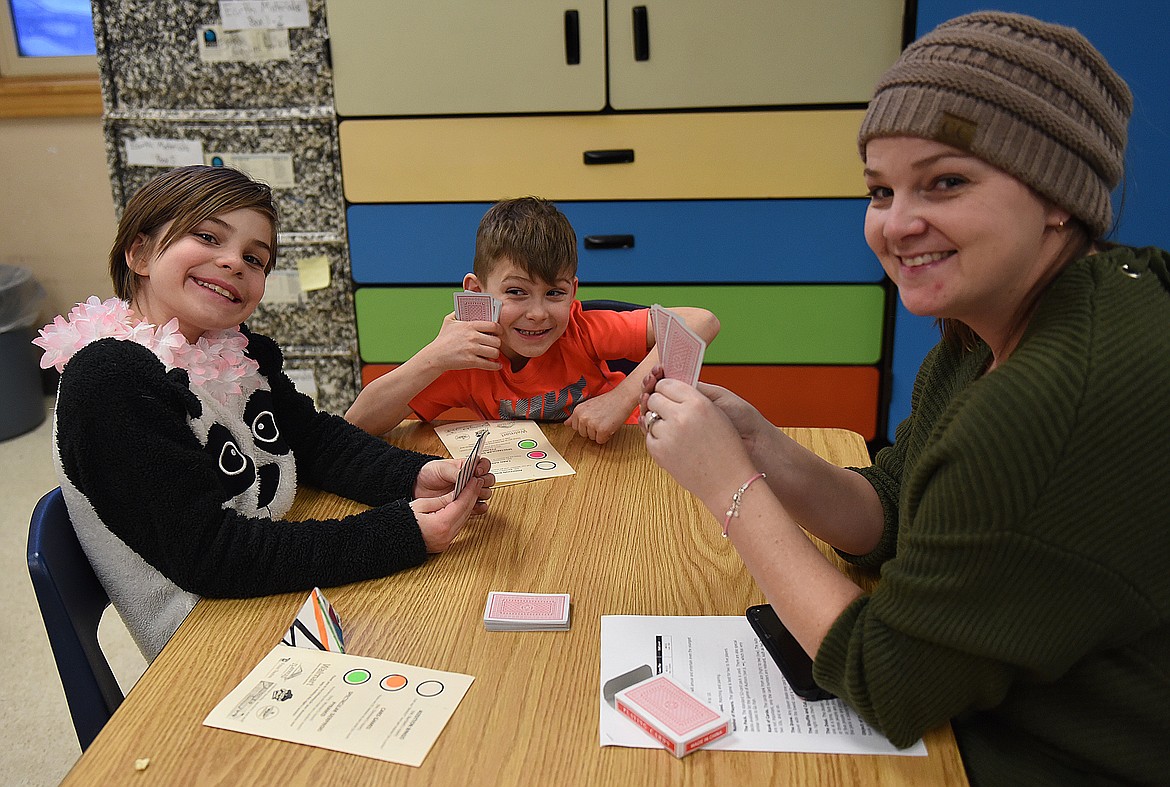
x=216 y=362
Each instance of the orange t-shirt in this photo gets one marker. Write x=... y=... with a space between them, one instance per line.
x=550 y=385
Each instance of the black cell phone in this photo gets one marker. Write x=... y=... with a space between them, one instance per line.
x=794 y=663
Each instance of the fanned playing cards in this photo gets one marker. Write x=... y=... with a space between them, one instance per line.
x=468 y=468
x=526 y=611
x=680 y=350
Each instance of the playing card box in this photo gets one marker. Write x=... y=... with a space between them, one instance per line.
x=671 y=714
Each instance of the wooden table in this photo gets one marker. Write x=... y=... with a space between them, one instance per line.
x=620 y=536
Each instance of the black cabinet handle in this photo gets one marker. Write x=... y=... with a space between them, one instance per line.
x=572 y=38
x=609 y=241
x=618 y=156
x=641 y=33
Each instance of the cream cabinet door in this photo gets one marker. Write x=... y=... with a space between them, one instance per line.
x=697 y=53
x=441 y=57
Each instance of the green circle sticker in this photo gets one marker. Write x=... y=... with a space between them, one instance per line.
x=357 y=676
x=527 y=444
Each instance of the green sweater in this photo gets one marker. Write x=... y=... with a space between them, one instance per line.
x=1025 y=563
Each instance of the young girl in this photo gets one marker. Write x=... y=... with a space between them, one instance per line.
x=179 y=441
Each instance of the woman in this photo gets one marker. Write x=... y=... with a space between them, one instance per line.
x=1020 y=521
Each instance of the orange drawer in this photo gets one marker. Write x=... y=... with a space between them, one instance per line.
x=831 y=396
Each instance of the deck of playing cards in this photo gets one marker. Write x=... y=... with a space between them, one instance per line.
x=680 y=350
x=526 y=612
x=476 y=306
x=664 y=709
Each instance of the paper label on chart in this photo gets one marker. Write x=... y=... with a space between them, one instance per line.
x=275 y=169
x=154 y=152
x=217 y=45
x=519 y=451
x=304 y=381
x=282 y=286
x=338 y=701
x=249 y=14
x=722 y=661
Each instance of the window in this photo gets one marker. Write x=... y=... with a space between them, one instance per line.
x=43 y=37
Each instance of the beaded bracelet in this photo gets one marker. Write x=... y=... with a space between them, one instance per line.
x=735 y=498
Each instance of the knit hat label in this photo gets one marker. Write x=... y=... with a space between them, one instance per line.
x=955 y=131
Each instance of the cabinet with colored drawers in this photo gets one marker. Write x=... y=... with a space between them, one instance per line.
x=720 y=171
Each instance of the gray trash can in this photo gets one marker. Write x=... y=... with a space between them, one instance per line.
x=22 y=400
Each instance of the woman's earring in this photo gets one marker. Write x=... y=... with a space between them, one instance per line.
x=1060 y=226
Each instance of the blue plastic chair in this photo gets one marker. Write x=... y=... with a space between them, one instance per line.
x=72 y=601
x=623 y=365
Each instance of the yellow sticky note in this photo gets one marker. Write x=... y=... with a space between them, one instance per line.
x=314 y=272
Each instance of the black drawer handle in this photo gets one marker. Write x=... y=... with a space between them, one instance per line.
x=609 y=241
x=641 y=33
x=572 y=38
x=618 y=156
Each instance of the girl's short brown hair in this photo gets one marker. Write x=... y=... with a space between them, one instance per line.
x=184 y=196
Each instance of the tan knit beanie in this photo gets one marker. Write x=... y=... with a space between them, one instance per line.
x=1031 y=98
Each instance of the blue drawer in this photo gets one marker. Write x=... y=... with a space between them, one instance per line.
x=699 y=242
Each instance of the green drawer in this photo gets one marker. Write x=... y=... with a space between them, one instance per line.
x=787 y=324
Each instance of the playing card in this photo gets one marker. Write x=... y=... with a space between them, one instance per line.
x=468 y=468
x=476 y=306
x=526 y=611
x=658 y=318
x=681 y=352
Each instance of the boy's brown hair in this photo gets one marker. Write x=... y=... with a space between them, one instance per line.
x=532 y=233
x=184 y=196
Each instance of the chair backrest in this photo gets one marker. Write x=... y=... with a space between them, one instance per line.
x=72 y=601
x=623 y=365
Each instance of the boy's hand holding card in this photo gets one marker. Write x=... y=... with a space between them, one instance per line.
x=476 y=306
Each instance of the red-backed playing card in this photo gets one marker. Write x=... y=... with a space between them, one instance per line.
x=476 y=306
x=681 y=352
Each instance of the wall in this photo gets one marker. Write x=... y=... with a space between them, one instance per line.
x=56 y=211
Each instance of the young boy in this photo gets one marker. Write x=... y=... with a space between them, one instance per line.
x=545 y=357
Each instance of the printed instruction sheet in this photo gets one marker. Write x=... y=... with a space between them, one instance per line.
x=722 y=661
x=518 y=449
x=365 y=706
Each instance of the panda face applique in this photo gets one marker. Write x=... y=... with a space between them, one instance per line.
x=255 y=465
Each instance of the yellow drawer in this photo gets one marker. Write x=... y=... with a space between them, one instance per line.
x=725 y=155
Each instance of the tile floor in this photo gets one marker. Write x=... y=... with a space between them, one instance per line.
x=40 y=745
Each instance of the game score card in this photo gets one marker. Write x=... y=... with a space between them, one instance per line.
x=365 y=706
x=518 y=450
